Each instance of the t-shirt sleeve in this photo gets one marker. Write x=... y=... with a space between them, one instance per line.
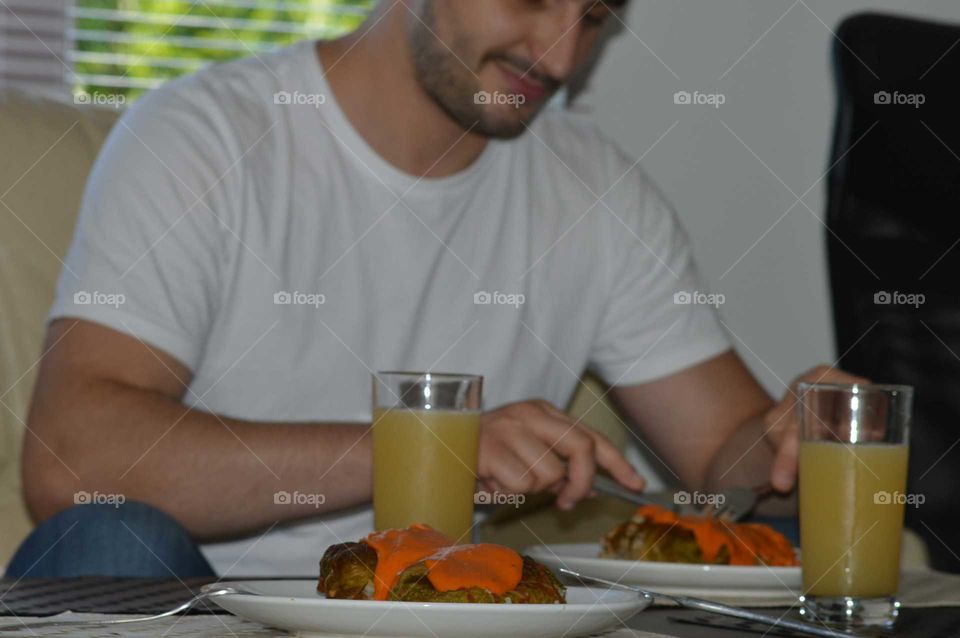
x=659 y=318
x=148 y=247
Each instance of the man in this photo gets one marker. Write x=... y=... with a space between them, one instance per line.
x=258 y=238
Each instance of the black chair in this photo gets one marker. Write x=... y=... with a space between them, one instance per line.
x=894 y=231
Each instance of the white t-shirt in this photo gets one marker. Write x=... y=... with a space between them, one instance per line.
x=236 y=220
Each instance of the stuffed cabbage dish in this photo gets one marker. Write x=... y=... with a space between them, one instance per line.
x=657 y=534
x=419 y=564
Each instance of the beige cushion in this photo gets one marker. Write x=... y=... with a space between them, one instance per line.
x=48 y=147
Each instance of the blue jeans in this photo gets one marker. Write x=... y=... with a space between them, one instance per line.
x=130 y=540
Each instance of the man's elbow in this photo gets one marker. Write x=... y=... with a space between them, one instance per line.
x=51 y=470
x=46 y=489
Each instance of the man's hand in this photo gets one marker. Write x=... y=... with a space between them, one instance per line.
x=783 y=429
x=532 y=446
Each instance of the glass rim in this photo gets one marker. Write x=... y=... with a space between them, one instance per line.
x=855 y=388
x=449 y=376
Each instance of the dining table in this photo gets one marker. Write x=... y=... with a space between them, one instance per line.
x=27 y=601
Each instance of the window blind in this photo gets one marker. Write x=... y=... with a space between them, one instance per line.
x=128 y=46
x=33 y=46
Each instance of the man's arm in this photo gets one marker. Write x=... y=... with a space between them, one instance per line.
x=689 y=417
x=715 y=427
x=107 y=416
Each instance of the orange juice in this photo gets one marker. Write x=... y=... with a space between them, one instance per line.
x=425 y=469
x=851 y=517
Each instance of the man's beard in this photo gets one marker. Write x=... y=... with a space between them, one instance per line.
x=453 y=87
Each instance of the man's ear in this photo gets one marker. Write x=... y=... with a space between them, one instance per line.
x=579 y=82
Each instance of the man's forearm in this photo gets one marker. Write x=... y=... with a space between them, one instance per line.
x=746 y=460
x=219 y=477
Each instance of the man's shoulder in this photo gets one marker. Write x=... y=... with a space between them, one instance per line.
x=229 y=90
x=226 y=106
x=254 y=77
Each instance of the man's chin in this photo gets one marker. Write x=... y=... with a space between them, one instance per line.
x=506 y=126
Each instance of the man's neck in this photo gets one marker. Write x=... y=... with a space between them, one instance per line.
x=373 y=80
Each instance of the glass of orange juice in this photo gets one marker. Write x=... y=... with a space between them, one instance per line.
x=426 y=431
x=853 y=480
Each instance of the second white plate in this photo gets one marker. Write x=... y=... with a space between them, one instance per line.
x=668 y=577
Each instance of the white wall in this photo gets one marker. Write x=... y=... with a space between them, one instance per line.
x=780 y=102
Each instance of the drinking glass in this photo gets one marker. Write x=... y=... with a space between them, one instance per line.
x=426 y=431
x=853 y=477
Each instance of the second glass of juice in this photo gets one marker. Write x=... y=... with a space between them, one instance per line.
x=853 y=480
x=426 y=432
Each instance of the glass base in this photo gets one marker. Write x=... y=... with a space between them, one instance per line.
x=846 y=611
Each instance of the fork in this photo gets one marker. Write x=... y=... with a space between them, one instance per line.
x=738 y=502
x=735 y=503
x=190 y=604
x=713 y=607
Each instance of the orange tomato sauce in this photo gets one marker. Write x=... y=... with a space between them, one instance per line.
x=747 y=543
x=449 y=566
x=493 y=567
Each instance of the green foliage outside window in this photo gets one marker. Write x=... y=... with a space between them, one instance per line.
x=124 y=47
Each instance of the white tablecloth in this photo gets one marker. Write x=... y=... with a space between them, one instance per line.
x=191 y=627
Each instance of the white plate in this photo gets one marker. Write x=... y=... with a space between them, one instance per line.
x=669 y=577
x=295 y=606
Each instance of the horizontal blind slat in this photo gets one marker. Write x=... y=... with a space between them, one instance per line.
x=131 y=59
x=329 y=8
x=116 y=81
x=191 y=42
x=196 y=21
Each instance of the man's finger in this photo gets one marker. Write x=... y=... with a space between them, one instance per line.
x=578 y=448
x=542 y=463
x=509 y=471
x=784 y=473
x=613 y=460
